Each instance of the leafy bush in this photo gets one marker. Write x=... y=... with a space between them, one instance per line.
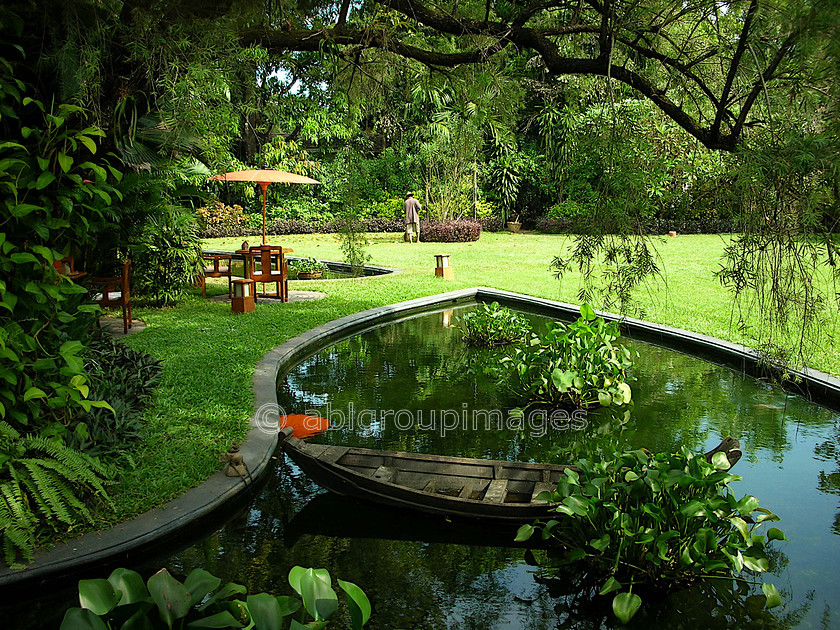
x=578 y=364
x=492 y=325
x=461 y=231
x=125 y=601
x=55 y=196
x=126 y=379
x=492 y=224
x=44 y=484
x=659 y=520
x=389 y=209
x=567 y=210
x=289 y=226
x=551 y=226
x=216 y=219
x=383 y=225
x=167 y=257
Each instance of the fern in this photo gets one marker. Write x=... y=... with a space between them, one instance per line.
x=42 y=483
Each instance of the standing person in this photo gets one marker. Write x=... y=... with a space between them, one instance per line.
x=412 y=217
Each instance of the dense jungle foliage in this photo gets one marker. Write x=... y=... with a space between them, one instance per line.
x=613 y=120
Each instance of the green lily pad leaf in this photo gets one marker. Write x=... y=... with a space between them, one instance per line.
x=625 y=606
x=742 y=528
x=577 y=505
x=199 y=583
x=609 y=586
x=266 y=611
x=138 y=621
x=130 y=585
x=586 y=312
x=627 y=393
x=604 y=399
x=720 y=461
x=358 y=603
x=524 y=533
x=599 y=544
x=220 y=620
x=774 y=533
x=772 y=594
x=747 y=505
x=319 y=598
x=171 y=597
x=81 y=619
x=756 y=560
x=97 y=596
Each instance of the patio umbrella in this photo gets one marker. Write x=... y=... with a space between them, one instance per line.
x=264 y=177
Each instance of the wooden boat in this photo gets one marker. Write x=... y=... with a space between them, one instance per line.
x=450 y=486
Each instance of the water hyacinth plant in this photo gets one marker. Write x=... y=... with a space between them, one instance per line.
x=308 y=265
x=657 y=521
x=125 y=601
x=492 y=325
x=578 y=364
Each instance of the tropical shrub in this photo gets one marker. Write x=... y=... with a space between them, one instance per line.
x=55 y=194
x=551 y=226
x=659 y=521
x=578 y=364
x=125 y=601
x=216 y=219
x=126 y=379
x=492 y=325
x=289 y=226
x=461 y=231
x=383 y=225
x=388 y=209
x=167 y=257
x=44 y=484
x=491 y=224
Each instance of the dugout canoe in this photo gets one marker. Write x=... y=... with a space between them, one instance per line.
x=486 y=489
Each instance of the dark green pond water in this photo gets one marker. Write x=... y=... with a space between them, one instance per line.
x=414 y=386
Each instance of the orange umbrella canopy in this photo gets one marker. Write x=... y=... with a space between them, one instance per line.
x=264 y=177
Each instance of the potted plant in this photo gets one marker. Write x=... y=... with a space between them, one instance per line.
x=514 y=225
x=308 y=268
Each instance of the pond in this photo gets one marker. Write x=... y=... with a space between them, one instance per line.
x=412 y=385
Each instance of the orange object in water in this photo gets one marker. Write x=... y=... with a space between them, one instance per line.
x=304 y=426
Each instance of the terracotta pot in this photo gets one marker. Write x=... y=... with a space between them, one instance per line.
x=513 y=226
x=309 y=275
x=672 y=233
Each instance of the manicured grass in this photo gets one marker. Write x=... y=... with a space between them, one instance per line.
x=209 y=354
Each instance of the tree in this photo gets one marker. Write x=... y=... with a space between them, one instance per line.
x=705 y=64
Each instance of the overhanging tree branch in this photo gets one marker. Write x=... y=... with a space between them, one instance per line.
x=557 y=23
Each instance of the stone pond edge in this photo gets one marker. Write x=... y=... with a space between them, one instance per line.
x=126 y=539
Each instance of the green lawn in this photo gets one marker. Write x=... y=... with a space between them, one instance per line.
x=209 y=354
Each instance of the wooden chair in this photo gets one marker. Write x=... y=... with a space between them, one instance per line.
x=274 y=269
x=113 y=292
x=67 y=267
x=216 y=270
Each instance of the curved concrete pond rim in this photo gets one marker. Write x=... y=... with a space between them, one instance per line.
x=126 y=541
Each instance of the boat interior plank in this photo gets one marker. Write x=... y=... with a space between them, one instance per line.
x=496 y=491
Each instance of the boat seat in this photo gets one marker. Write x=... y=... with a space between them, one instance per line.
x=385 y=474
x=331 y=455
x=496 y=491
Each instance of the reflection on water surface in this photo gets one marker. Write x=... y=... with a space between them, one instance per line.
x=424 y=572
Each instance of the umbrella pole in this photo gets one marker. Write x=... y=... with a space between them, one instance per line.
x=264 y=186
